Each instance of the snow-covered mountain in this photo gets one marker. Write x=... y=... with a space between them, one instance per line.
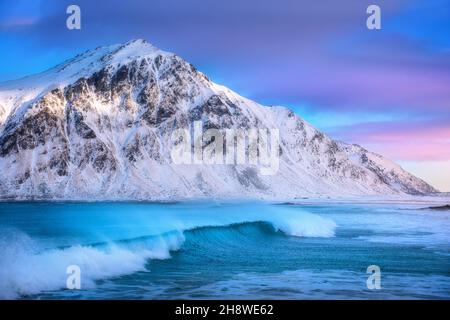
x=99 y=127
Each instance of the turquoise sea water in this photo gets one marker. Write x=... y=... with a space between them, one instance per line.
x=214 y=250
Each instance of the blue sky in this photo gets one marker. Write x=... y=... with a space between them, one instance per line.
x=387 y=90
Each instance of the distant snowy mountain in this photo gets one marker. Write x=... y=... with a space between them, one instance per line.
x=99 y=127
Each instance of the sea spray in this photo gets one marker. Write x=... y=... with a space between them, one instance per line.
x=124 y=242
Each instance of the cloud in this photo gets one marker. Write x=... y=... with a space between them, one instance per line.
x=414 y=140
x=16 y=22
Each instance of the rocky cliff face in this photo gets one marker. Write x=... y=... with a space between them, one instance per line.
x=99 y=126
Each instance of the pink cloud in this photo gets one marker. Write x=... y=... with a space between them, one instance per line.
x=401 y=141
x=380 y=87
x=430 y=151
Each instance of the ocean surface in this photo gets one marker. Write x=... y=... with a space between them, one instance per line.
x=216 y=250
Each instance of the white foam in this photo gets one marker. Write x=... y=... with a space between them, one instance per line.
x=306 y=225
x=25 y=270
x=399 y=225
x=321 y=284
x=28 y=267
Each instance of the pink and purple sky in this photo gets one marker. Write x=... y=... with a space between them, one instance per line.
x=388 y=90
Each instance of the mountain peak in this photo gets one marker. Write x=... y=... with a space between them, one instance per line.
x=137 y=42
x=85 y=64
x=137 y=48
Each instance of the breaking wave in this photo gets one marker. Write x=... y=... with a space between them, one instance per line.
x=28 y=266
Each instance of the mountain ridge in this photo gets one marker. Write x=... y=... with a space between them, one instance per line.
x=98 y=126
